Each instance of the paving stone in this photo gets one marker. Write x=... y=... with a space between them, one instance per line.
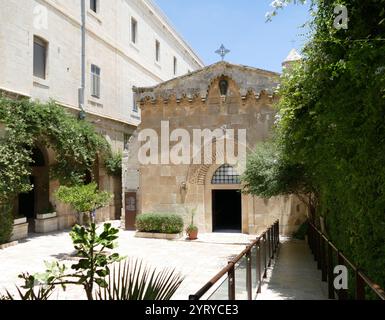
x=197 y=261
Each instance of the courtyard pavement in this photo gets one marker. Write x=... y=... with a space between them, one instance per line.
x=198 y=261
x=293 y=275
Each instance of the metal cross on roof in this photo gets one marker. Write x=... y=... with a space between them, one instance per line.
x=222 y=51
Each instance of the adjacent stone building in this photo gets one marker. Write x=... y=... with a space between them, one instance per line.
x=127 y=43
x=234 y=104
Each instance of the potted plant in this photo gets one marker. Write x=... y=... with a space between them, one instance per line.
x=192 y=229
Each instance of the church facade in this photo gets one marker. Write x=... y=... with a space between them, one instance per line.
x=190 y=150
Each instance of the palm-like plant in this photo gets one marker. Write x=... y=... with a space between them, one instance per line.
x=133 y=280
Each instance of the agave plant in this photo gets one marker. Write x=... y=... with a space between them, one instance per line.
x=133 y=280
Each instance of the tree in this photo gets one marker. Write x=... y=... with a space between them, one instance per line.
x=269 y=174
x=332 y=123
x=84 y=198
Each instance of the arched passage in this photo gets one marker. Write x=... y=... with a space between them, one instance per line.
x=36 y=201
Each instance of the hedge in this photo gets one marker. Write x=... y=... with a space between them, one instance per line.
x=160 y=223
x=6 y=224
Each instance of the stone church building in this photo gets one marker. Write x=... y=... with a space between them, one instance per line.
x=232 y=99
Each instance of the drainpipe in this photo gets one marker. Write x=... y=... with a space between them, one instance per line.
x=82 y=113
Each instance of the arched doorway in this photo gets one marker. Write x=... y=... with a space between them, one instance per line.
x=36 y=201
x=226 y=200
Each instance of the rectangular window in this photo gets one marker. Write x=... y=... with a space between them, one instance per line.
x=94 y=5
x=134 y=31
x=175 y=66
x=95 y=81
x=39 y=58
x=157 y=51
x=134 y=105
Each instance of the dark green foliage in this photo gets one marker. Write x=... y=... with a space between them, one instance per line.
x=113 y=164
x=160 y=223
x=132 y=280
x=302 y=231
x=333 y=124
x=94 y=265
x=6 y=223
x=75 y=142
x=269 y=174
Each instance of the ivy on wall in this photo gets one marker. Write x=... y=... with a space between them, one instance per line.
x=76 y=144
x=332 y=123
x=331 y=126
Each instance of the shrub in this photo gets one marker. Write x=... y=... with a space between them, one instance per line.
x=160 y=223
x=302 y=231
x=6 y=224
x=113 y=164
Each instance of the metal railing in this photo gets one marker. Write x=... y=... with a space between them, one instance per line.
x=265 y=247
x=328 y=257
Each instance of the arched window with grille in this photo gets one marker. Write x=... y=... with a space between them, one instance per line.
x=226 y=174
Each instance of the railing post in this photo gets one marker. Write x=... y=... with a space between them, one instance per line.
x=319 y=259
x=360 y=286
x=269 y=246
x=264 y=256
x=248 y=275
x=272 y=243
x=231 y=279
x=330 y=268
x=323 y=259
x=258 y=273
x=311 y=229
x=278 y=232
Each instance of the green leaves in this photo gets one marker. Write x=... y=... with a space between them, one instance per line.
x=93 y=268
x=113 y=164
x=332 y=124
x=160 y=223
x=132 y=280
x=76 y=144
x=6 y=223
x=129 y=281
x=83 y=198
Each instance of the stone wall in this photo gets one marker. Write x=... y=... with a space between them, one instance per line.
x=182 y=188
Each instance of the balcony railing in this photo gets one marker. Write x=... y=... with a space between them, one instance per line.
x=244 y=274
x=328 y=257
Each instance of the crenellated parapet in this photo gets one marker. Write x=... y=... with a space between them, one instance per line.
x=251 y=83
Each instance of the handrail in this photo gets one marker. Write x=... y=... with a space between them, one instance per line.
x=324 y=253
x=269 y=241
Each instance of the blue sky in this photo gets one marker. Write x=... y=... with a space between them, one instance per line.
x=240 y=25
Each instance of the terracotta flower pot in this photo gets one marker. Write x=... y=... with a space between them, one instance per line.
x=192 y=234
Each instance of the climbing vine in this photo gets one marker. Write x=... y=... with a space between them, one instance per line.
x=332 y=123
x=76 y=144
